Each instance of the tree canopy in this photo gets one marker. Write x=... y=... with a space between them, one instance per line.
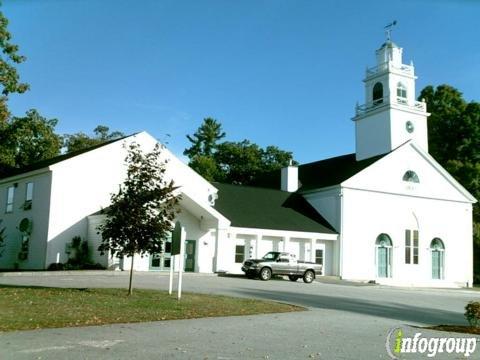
x=28 y=139
x=140 y=216
x=232 y=162
x=454 y=141
x=9 y=77
x=205 y=140
x=80 y=141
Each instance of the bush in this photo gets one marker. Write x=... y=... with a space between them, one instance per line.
x=55 y=266
x=472 y=313
x=74 y=266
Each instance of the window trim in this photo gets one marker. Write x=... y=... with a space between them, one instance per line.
x=412 y=247
x=10 y=199
x=237 y=253
x=401 y=91
x=27 y=205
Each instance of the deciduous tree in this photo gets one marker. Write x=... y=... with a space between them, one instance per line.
x=139 y=218
x=454 y=141
x=9 y=78
x=232 y=162
x=80 y=141
x=28 y=139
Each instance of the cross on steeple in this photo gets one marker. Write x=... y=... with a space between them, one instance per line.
x=388 y=29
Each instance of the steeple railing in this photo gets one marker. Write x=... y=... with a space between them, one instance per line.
x=370 y=106
x=390 y=66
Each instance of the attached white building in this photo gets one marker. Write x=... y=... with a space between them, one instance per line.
x=388 y=213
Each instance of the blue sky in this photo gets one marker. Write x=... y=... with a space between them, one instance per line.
x=285 y=73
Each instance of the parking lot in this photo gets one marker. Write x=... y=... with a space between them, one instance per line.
x=343 y=321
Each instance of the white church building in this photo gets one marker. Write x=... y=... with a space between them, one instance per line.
x=388 y=213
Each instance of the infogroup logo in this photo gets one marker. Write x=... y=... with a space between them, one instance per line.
x=401 y=346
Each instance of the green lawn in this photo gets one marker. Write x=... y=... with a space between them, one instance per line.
x=23 y=308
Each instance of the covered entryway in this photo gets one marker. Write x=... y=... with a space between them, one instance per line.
x=438 y=251
x=384 y=256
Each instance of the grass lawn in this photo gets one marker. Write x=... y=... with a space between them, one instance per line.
x=23 y=308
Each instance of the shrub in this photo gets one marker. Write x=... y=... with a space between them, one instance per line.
x=472 y=313
x=55 y=266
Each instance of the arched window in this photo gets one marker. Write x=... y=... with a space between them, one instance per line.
x=438 y=257
x=411 y=176
x=377 y=95
x=383 y=240
x=437 y=244
x=383 y=254
x=401 y=93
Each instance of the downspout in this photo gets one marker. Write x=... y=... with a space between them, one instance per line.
x=340 y=238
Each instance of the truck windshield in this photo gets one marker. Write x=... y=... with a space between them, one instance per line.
x=272 y=255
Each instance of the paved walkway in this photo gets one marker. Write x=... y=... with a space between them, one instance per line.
x=342 y=322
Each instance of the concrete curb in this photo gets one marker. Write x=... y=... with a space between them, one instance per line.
x=91 y=272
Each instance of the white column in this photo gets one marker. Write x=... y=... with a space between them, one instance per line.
x=312 y=250
x=286 y=240
x=221 y=256
x=257 y=241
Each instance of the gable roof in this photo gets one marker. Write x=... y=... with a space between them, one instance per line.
x=323 y=173
x=6 y=173
x=261 y=208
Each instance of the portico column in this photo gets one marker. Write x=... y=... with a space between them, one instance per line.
x=257 y=238
x=221 y=255
x=312 y=250
x=286 y=240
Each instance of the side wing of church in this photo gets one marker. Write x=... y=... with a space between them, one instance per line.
x=388 y=213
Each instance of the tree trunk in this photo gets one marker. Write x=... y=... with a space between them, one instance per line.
x=131 y=275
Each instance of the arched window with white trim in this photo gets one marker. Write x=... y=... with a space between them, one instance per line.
x=411 y=176
x=437 y=249
x=383 y=255
x=377 y=94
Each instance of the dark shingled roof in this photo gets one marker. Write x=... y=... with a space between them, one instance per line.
x=262 y=208
x=7 y=172
x=323 y=173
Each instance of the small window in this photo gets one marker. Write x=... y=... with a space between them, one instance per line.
x=377 y=95
x=28 y=196
x=401 y=92
x=168 y=247
x=239 y=253
x=319 y=256
x=411 y=176
x=10 y=195
x=411 y=247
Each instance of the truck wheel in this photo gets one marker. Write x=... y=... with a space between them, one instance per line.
x=308 y=277
x=265 y=274
x=292 y=277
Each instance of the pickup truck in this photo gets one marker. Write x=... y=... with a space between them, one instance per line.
x=281 y=263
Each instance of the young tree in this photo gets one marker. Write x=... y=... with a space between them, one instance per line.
x=140 y=216
x=80 y=141
x=9 y=78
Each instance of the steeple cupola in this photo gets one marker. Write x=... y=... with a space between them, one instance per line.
x=390 y=115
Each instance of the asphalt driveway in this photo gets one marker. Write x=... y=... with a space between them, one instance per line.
x=343 y=321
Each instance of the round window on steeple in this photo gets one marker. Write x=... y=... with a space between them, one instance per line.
x=377 y=95
x=409 y=127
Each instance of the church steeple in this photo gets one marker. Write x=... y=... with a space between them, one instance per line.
x=391 y=115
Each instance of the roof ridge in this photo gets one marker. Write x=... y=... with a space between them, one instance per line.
x=59 y=158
